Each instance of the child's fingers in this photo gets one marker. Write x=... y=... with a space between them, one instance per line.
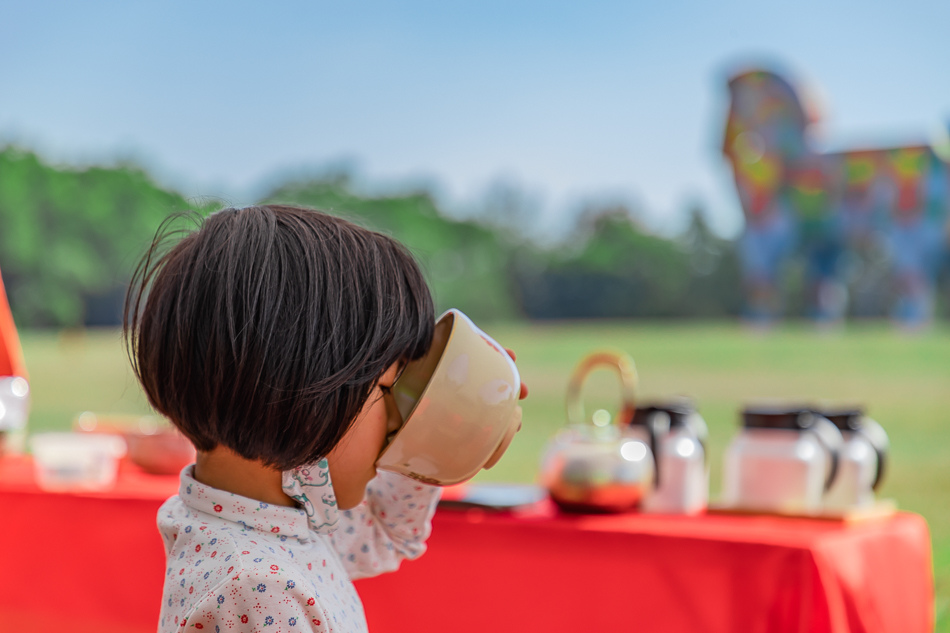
x=524 y=388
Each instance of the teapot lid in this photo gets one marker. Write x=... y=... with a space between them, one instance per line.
x=678 y=409
x=845 y=418
x=791 y=417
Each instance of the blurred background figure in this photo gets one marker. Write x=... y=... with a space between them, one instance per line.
x=834 y=211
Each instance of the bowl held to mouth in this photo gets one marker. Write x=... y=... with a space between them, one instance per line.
x=459 y=404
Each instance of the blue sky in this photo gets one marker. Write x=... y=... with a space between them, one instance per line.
x=570 y=101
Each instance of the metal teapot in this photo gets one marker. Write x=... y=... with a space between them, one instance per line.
x=595 y=464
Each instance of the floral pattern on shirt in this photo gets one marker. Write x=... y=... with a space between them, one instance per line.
x=238 y=565
x=391 y=524
x=310 y=486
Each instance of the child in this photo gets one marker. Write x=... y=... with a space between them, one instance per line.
x=271 y=337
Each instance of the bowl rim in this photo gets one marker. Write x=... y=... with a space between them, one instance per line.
x=451 y=316
x=450 y=313
x=455 y=314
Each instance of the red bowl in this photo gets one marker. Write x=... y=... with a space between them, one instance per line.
x=164 y=452
x=154 y=444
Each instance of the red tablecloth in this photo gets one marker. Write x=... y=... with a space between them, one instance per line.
x=94 y=562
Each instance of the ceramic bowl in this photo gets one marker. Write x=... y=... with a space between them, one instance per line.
x=164 y=452
x=459 y=404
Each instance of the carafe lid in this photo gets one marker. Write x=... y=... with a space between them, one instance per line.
x=792 y=417
x=845 y=418
x=679 y=411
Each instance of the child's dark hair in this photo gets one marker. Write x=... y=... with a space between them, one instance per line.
x=265 y=329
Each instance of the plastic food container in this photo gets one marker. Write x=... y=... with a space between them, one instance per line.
x=76 y=461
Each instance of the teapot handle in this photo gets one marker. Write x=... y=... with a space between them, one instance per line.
x=624 y=367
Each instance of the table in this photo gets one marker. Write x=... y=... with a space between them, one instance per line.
x=534 y=570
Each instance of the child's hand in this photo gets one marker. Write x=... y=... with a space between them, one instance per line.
x=524 y=387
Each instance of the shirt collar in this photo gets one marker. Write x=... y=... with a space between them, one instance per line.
x=250 y=514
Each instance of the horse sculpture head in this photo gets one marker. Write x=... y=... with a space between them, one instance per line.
x=765 y=133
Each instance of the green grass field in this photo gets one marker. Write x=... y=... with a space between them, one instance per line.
x=903 y=379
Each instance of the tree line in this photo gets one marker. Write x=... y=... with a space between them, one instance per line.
x=70 y=238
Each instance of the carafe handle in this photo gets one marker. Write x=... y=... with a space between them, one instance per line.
x=624 y=367
x=830 y=437
x=876 y=436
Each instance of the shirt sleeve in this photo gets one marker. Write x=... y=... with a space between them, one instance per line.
x=250 y=603
x=391 y=524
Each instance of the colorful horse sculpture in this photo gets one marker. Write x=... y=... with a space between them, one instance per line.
x=843 y=213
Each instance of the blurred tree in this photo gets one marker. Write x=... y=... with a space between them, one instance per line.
x=510 y=210
x=69 y=238
x=465 y=262
x=714 y=289
x=619 y=270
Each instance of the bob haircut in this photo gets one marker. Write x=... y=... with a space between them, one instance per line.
x=265 y=329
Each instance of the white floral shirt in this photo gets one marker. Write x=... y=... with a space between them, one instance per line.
x=239 y=565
